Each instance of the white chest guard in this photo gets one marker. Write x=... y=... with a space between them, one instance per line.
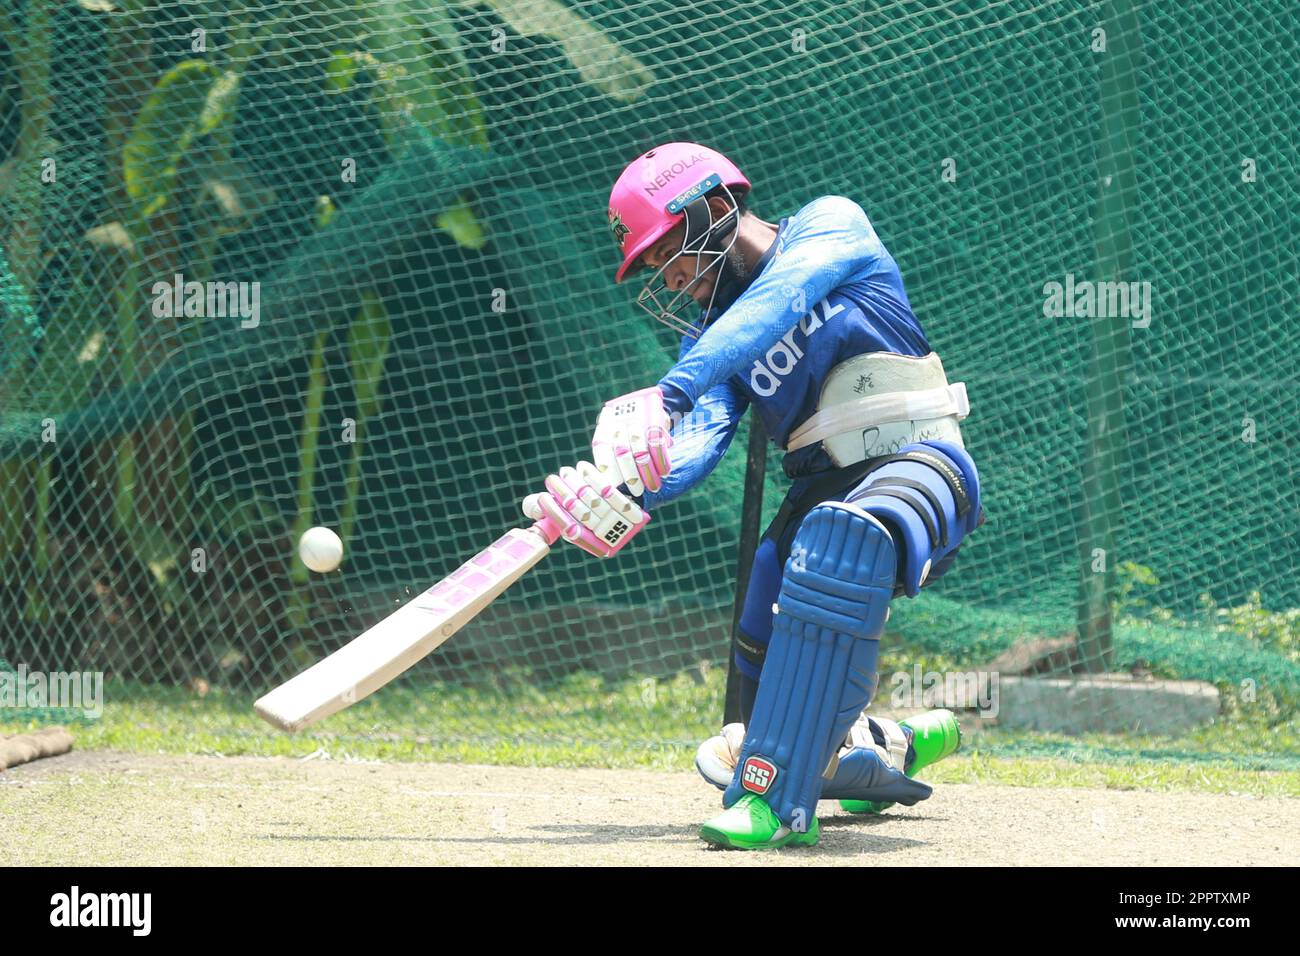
x=874 y=404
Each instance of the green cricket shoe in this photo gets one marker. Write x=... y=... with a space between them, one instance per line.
x=750 y=824
x=935 y=735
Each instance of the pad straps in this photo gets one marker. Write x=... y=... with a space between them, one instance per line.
x=951 y=476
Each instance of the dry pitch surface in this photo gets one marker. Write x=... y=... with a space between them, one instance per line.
x=99 y=808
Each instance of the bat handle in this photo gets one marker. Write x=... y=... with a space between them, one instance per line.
x=548 y=529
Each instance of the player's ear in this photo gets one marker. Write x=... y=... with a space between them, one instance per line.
x=719 y=206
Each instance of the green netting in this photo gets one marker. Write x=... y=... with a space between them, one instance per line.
x=418 y=187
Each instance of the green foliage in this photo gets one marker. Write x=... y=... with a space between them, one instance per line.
x=599 y=60
x=463 y=225
x=191 y=99
x=1278 y=630
x=1132 y=579
x=421 y=72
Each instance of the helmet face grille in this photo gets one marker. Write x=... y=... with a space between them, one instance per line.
x=702 y=240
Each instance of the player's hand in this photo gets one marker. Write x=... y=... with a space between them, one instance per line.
x=632 y=439
x=588 y=509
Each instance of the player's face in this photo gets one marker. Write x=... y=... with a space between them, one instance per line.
x=682 y=270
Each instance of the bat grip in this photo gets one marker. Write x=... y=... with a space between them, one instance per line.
x=548 y=529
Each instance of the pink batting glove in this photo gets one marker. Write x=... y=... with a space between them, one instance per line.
x=633 y=435
x=589 y=510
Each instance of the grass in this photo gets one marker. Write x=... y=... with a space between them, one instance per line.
x=584 y=721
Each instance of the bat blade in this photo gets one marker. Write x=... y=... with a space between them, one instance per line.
x=405 y=637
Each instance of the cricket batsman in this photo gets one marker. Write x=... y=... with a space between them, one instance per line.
x=807 y=321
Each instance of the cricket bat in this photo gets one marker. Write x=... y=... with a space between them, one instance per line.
x=408 y=635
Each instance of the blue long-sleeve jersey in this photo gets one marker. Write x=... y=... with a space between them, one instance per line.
x=825 y=291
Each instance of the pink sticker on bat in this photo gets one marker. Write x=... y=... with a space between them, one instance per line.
x=517 y=548
x=478 y=575
x=472 y=578
x=495 y=562
x=443 y=586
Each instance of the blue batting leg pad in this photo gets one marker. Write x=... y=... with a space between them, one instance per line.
x=863 y=774
x=928 y=496
x=820 y=670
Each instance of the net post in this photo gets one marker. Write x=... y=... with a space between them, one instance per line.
x=751 y=516
x=1111 y=359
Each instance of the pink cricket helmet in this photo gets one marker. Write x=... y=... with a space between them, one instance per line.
x=647 y=199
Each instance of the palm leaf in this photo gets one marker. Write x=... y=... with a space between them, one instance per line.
x=191 y=99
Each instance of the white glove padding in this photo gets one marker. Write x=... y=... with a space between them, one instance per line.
x=588 y=509
x=632 y=439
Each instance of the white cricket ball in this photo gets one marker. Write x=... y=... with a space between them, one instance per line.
x=320 y=549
